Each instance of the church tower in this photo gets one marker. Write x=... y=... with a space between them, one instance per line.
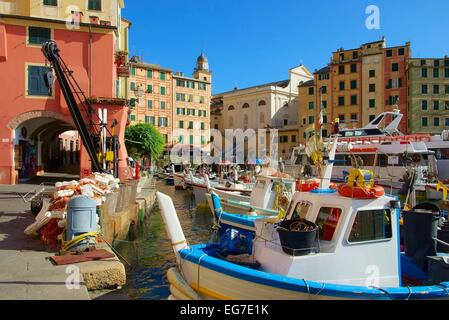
x=201 y=71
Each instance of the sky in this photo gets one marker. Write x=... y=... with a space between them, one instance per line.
x=251 y=42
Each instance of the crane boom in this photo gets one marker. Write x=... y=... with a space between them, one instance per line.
x=70 y=88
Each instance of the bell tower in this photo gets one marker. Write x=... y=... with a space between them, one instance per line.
x=201 y=71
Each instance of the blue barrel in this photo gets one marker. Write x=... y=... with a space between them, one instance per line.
x=81 y=217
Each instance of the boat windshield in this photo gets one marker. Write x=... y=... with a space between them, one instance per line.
x=301 y=210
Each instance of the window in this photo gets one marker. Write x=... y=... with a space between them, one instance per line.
x=355 y=55
x=327 y=222
x=150 y=104
x=262 y=103
x=163 y=122
x=436 y=63
x=372 y=73
x=401 y=51
x=425 y=121
x=201 y=100
x=94 y=5
x=372 y=87
x=132 y=102
x=133 y=71
x=180 y=83
x=38 y=36
x=283 y=139
x=424 y=89
x=424 y=73
x=293 y=139
x=372 y=103
x=301 y=211
x=325 y=135
x=424 y=105
x=353 y=68
x=133 y=117
x=395 y=67
x=180 y=97
x=371 y=225
x=203 y=140
x=202 y=126
x=353 y=100
x=311 y=119
x=436 y=105
x=324 y=104
x=341 y=101
x=446 y=72
x=150 y=74
x=436 y=89
x=50 y=2
x=341 y=117
x=436 y=73
x=150 y=89
x=181 y=139
x=446 y=89
x=341 y=69
x=163 y=105
x=389 y=53
x=436 y=122
x=311 y=91
x=354 y=117
x=311 y=105
x=181 y=124
x=323 y=89
x=162 y=75
x=446 y=105
x=163 y=91
x=446 y=122
x=202 y=86
x=245 y=106
x=132 y=86
x=423 y=62
x=342 y=85
x=191 y=139
x=36 y=81
x=190 y=125
x=353 y=84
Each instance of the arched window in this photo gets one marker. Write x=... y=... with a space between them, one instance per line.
x=231 y=108
x=245 y=106
x=262 y=103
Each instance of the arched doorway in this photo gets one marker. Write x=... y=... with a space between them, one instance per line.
x=46 y=148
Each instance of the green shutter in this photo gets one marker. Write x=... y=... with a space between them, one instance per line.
x=150 y=73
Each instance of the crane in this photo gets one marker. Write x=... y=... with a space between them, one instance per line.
x=93 y=133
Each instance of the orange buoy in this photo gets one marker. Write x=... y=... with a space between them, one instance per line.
x=361 y=193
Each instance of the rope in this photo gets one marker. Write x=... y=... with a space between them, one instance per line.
x=308 y=289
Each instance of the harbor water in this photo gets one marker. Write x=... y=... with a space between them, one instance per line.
x=150 y=254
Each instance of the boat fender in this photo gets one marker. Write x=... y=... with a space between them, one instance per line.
x=176 y=280
x=171 y=298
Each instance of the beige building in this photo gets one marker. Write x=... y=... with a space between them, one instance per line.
x=191 y=101
x=264 y=106
x=216 y=113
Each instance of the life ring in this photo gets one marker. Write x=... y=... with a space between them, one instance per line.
x=310 y=185
x=361 y=193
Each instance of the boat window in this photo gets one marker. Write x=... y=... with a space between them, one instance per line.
x=301 y=211
x=327 y=221
x=371 y=225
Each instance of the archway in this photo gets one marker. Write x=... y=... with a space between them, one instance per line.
x=46 y=148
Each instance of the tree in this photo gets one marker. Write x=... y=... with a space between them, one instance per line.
x=144 y=139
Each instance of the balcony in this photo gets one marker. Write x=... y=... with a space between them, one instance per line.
x=121 y=62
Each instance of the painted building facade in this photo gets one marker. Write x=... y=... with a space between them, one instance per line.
x=429 y=95
x=35 y=112
x=151 y=92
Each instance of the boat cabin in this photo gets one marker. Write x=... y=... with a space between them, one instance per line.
x=358 y=241
x=267 y=189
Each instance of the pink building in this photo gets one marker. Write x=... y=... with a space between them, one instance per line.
x=34 y=115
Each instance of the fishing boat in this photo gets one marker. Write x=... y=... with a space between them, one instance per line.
x=393 y=156
x=328 y=246
x=268 y=196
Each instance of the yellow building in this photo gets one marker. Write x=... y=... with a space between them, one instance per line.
x=150 y=92
x=216 y=114
x=191 y=101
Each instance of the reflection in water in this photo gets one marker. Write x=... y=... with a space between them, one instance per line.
x=151 y=254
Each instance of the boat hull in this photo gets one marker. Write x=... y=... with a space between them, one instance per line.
x=215 y=279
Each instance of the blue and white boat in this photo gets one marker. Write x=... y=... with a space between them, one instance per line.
x=328 y=247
